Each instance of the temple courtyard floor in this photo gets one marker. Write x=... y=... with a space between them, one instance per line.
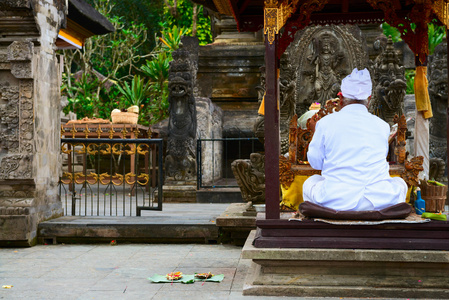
x=102 y=270
x=121 y=272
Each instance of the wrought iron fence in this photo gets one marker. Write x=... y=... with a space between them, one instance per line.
x=111 y=176
x=214 y=157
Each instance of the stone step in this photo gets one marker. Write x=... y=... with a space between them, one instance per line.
x=219 y=195
x=176 y=223
x=70 y=229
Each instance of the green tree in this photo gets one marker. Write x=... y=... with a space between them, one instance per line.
x=146 y=34
x=436 y=34
x=185 y=14
x=137 y=93
x=110 y=58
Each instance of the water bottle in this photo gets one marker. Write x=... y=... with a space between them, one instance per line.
x=420 y=204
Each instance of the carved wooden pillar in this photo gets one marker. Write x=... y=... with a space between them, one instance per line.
x=272 y=152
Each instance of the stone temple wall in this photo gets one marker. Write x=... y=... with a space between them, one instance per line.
x=210 y=123
x=29 y=118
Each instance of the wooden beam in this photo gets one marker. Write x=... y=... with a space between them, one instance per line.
x=272 y=129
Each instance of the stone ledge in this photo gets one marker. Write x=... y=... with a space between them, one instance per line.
x=346 y=272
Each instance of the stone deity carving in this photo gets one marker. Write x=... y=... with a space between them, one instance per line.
x=180 y=162
x=326 y=58
x=327 y=55
x=389 y=84
x=438 y=93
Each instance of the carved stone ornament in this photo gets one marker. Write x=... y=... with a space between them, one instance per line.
x=438 y=93
x=287 y=86
x=16 y=167
x=250 y=175
x=180 y=162
x=328 y=54
x=389 y=84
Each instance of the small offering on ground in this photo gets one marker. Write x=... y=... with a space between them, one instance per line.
x=204 y=275
x=174 y=275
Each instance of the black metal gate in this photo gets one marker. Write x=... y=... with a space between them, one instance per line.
x=228 y=150
x=111 y=176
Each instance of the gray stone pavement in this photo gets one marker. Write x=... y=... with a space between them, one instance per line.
x=121 y=272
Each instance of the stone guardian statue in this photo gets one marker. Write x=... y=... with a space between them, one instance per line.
x=180 y=161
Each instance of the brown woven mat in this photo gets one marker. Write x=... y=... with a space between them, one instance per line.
x=412 y=218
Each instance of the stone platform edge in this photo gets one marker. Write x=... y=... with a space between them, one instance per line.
x=346 y=272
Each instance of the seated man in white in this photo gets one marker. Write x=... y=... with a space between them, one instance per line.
x=350 y=148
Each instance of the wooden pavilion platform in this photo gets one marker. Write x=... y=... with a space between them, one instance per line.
x=433 y=235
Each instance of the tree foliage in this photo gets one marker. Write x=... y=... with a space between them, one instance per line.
x=131 y=65
x=436 y=34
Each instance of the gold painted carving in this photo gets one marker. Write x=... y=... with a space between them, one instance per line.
x=86 y=131
x=117 y=149
x=111 y=133
x=99 y=131
x=92 y=149
x=136 y=132
x=276 y=15
x=64 y=149
x=132 y=149
x=441 y=9
x=116 y=179
x=108 y=149
x=286 y=173
x=104 y=178
x=142 y=179
x=83 y=149
x=73 y=131
x=142 y=149
x=412 y=169
x=124 y=132
x=80 y=178
x=68 y=178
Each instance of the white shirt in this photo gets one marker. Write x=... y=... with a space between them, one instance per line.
x=350 y=147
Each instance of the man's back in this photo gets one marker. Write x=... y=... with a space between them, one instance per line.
x=350 y=147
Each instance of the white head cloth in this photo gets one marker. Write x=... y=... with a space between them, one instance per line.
x=357 y=85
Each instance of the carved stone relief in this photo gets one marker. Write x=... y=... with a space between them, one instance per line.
x=389 y=84
x=438 y=93
x=180 y=162
x=322 y=57
x=287 y=86
x=250 y=176
x=16 y=113
x=16 y=167
x=26 y=116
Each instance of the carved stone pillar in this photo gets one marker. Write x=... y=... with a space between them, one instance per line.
x=180 y=161
x=29 y=118
x=438 y=93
